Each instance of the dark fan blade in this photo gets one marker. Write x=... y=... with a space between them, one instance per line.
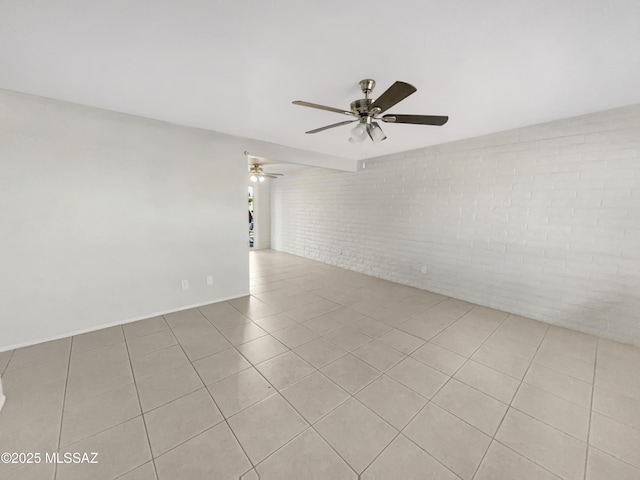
x=271 y=175
x=416 y=119
x=322 y=107
x=394 y=94
x=331 y=126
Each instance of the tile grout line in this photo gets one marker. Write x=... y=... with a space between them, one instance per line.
x=135 y=468
x=381 y=308
x=224 y=419
x=553 y=394
x=400 y=432
x=325 y=415
x=593 y=388
x=278 y=392
x=551 y=367
x=206 y=388
x=469 y=359
x=511 y=402
x=64 y=401
x=144 y=421
x=430 y=400
x=515 y=394
x=310 y=425
x=8 y=362
x=625 y=462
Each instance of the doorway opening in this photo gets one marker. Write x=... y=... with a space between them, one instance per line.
x=251 y=220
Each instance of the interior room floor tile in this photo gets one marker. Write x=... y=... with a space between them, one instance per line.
x=239 y=391
x=146 y=471
x=41 y=471
x=144 y=327
x=126 y=443
x=266 y=426
x=615 y=438
x=220 y=365
x=401 y=341
x=378 y=355
x=603 y=466
x=550 y=448
x=403 y=459
x=487 y=380
x=451 y=441
x=471 y=405
x=159 y=361
x=394 y=402
x=214 y=453
x=261 y=349
x=356 y=433
x=97 y=339
x=308 y=453
x=319 y=352
x=300 y=381
x=351 y=373
x=37 y=354
x=559 y=384
x=553 y=410
x=295 y=336
x=284 y=369
x=439 y=358
x=174 y=423
x=165 y=387
x=502 y=462
x=80 y=419
x=419 y=377
x=314 y=396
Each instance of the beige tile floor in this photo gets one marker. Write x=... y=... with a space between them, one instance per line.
x=323 y=373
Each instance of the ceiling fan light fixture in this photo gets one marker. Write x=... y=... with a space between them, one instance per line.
x=358 y=130
x=358 y=133
x=261 y=178
x=253 y=178
x=375 y=132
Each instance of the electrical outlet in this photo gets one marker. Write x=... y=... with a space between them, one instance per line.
x=424 y=270
x=185 y=284
x=209 y=279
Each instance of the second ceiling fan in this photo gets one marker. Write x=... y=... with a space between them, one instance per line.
x=368 y=111
x=257 y=174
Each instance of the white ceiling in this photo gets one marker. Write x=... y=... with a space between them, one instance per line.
x=235 y=66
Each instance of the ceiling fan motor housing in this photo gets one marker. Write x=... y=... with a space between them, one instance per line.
x=362 y=106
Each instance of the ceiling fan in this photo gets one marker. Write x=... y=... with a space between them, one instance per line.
x=256 y=174
x=367 y=112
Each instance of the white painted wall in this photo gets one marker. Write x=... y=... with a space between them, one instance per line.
x=542 y=221
x=103 y=214
x=262 y=214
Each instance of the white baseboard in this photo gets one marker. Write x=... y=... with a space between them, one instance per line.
x=2 y=397
x=113 y=324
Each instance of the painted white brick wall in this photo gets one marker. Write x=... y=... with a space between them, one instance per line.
x=543 y=221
